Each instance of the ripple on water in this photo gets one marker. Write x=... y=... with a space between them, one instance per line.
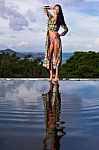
x=78 y=115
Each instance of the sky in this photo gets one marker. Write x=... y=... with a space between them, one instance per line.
x=23 y=25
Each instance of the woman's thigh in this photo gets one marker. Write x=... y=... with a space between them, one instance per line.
x=51 y=48
x=56 y=45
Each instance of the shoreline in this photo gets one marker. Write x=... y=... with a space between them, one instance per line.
x=46 y=79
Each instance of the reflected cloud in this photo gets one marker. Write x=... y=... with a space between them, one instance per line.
x=22 y=90
x=81 y=87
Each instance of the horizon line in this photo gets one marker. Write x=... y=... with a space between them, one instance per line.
x=44 y=51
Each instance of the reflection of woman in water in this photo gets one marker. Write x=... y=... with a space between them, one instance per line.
x=53 y=48
x=52 y=106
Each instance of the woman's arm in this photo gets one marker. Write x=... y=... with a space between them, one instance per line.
x=65 y=30
x=46 y=8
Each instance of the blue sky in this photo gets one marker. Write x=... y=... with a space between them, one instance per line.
x=23 y=24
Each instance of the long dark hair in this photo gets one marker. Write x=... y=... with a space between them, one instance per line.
x=60 y=17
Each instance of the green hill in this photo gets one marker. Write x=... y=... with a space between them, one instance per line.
x=81 y=65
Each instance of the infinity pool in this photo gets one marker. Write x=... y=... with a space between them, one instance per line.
x=41 y=115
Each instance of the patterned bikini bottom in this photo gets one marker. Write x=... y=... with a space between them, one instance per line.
x=52 y=40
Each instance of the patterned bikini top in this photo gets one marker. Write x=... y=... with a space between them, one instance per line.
x=52 y=25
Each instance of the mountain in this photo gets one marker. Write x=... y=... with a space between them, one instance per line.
x=22 y=54
x=34 y=54
x=10 y=51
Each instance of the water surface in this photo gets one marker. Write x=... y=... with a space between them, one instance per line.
x=38 y=115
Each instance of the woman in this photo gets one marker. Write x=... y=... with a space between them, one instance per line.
x=53 y=48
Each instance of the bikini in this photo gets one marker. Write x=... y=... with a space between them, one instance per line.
x=53 y=40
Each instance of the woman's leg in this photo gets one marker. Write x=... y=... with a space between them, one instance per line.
x=51 y=72
x=56 y=45
x=51 y=50
x=56 y=50
x=56 y=75
x=50 y=59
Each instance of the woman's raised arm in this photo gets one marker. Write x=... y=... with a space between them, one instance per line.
x=46 y=8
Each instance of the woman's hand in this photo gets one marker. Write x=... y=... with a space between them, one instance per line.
x=62 y=34
x=48 y=7
x=58 y=35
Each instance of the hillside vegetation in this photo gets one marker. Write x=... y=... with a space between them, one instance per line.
x=79 y=65
x=12 y=66
x=82 y=65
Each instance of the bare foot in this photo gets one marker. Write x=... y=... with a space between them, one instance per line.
x=56 y=79
x=50 y=79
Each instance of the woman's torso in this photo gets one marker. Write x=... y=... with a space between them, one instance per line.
x=53 y=34
x=52 y=28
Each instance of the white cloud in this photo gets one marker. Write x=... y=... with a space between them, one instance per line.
x=27 y=21
x=1 y=33
x=22 y=43
x=92 y=0
x=18 y=23
x=16 y=20
x=97 y=41
x=2 y=7
x=89 y=46
x=30 y=15
x=83 y=30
